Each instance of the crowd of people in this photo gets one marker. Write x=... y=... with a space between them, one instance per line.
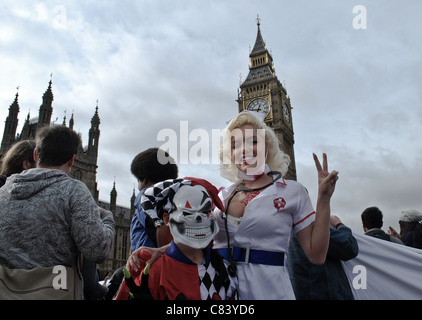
x=258 y=238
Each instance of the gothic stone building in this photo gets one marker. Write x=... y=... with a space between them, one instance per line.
x=261 y=92
x=84 y=169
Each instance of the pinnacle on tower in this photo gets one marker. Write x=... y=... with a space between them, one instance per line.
x=46 y=108
x=10 y=126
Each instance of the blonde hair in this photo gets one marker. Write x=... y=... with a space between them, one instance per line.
x=277 y=160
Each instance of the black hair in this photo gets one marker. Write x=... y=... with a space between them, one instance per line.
x=148 y=165
x=372 y=218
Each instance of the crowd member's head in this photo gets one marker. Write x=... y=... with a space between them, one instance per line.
x=410 y=222
x=56 y=146
x=18 y=158
x=153 y=165
x=371 y=218
x=410 y=215
x=185 y=206
x=249 y=144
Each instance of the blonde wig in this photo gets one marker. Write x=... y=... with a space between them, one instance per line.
x=276 y=159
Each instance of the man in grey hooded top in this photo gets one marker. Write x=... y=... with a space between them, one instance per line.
x=48 y=218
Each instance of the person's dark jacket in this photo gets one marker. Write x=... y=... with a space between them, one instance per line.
x=327 y=281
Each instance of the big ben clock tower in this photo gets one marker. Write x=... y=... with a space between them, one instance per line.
x=263 y=92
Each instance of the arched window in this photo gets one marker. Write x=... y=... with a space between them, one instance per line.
x=77 y=174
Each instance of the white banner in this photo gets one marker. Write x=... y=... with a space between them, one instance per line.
x=385 y=270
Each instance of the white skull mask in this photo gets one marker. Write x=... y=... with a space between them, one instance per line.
x=191 y=222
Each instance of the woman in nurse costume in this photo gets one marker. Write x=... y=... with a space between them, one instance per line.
x=262 y=209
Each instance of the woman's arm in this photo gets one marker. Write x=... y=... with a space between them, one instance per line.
x=315 y=238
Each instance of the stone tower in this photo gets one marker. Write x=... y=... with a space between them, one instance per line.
x=10 y=127
x=85 y=166
x=262 y=92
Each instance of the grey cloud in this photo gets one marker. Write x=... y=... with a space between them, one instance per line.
x=153 y=64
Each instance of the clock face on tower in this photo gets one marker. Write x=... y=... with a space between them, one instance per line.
x=259 y=105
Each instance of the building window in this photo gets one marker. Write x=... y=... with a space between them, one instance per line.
x=77 y=174
x=124 y=246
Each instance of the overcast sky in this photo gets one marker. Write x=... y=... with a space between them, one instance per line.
x=152 y=64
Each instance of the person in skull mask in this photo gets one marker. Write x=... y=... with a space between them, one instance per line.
x=190 y=269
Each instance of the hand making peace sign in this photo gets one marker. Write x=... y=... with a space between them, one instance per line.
x=326 y=180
